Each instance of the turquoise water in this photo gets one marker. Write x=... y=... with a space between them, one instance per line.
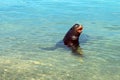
x=29 y=29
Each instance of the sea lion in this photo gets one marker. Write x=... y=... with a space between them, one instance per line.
x=71 y=39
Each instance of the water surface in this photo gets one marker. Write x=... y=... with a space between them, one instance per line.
x=30 y=28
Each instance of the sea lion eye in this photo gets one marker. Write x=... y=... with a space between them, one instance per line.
x=76 y=25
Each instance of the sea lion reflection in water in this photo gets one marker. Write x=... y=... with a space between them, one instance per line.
x=71 y=39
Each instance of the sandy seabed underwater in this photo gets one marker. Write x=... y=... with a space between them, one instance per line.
x=29 y=30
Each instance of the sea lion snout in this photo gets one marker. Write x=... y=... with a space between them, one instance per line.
x=79 y=28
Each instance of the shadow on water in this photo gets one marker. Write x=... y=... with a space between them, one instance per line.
x=57 y=46
x=83 y=39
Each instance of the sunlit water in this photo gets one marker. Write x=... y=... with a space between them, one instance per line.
x=29 y=29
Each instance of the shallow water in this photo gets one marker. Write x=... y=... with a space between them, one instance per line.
x=29 y=29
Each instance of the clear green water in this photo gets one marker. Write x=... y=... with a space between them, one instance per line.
x=30 y=28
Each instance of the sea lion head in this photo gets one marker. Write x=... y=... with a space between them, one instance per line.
x=76 y=28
